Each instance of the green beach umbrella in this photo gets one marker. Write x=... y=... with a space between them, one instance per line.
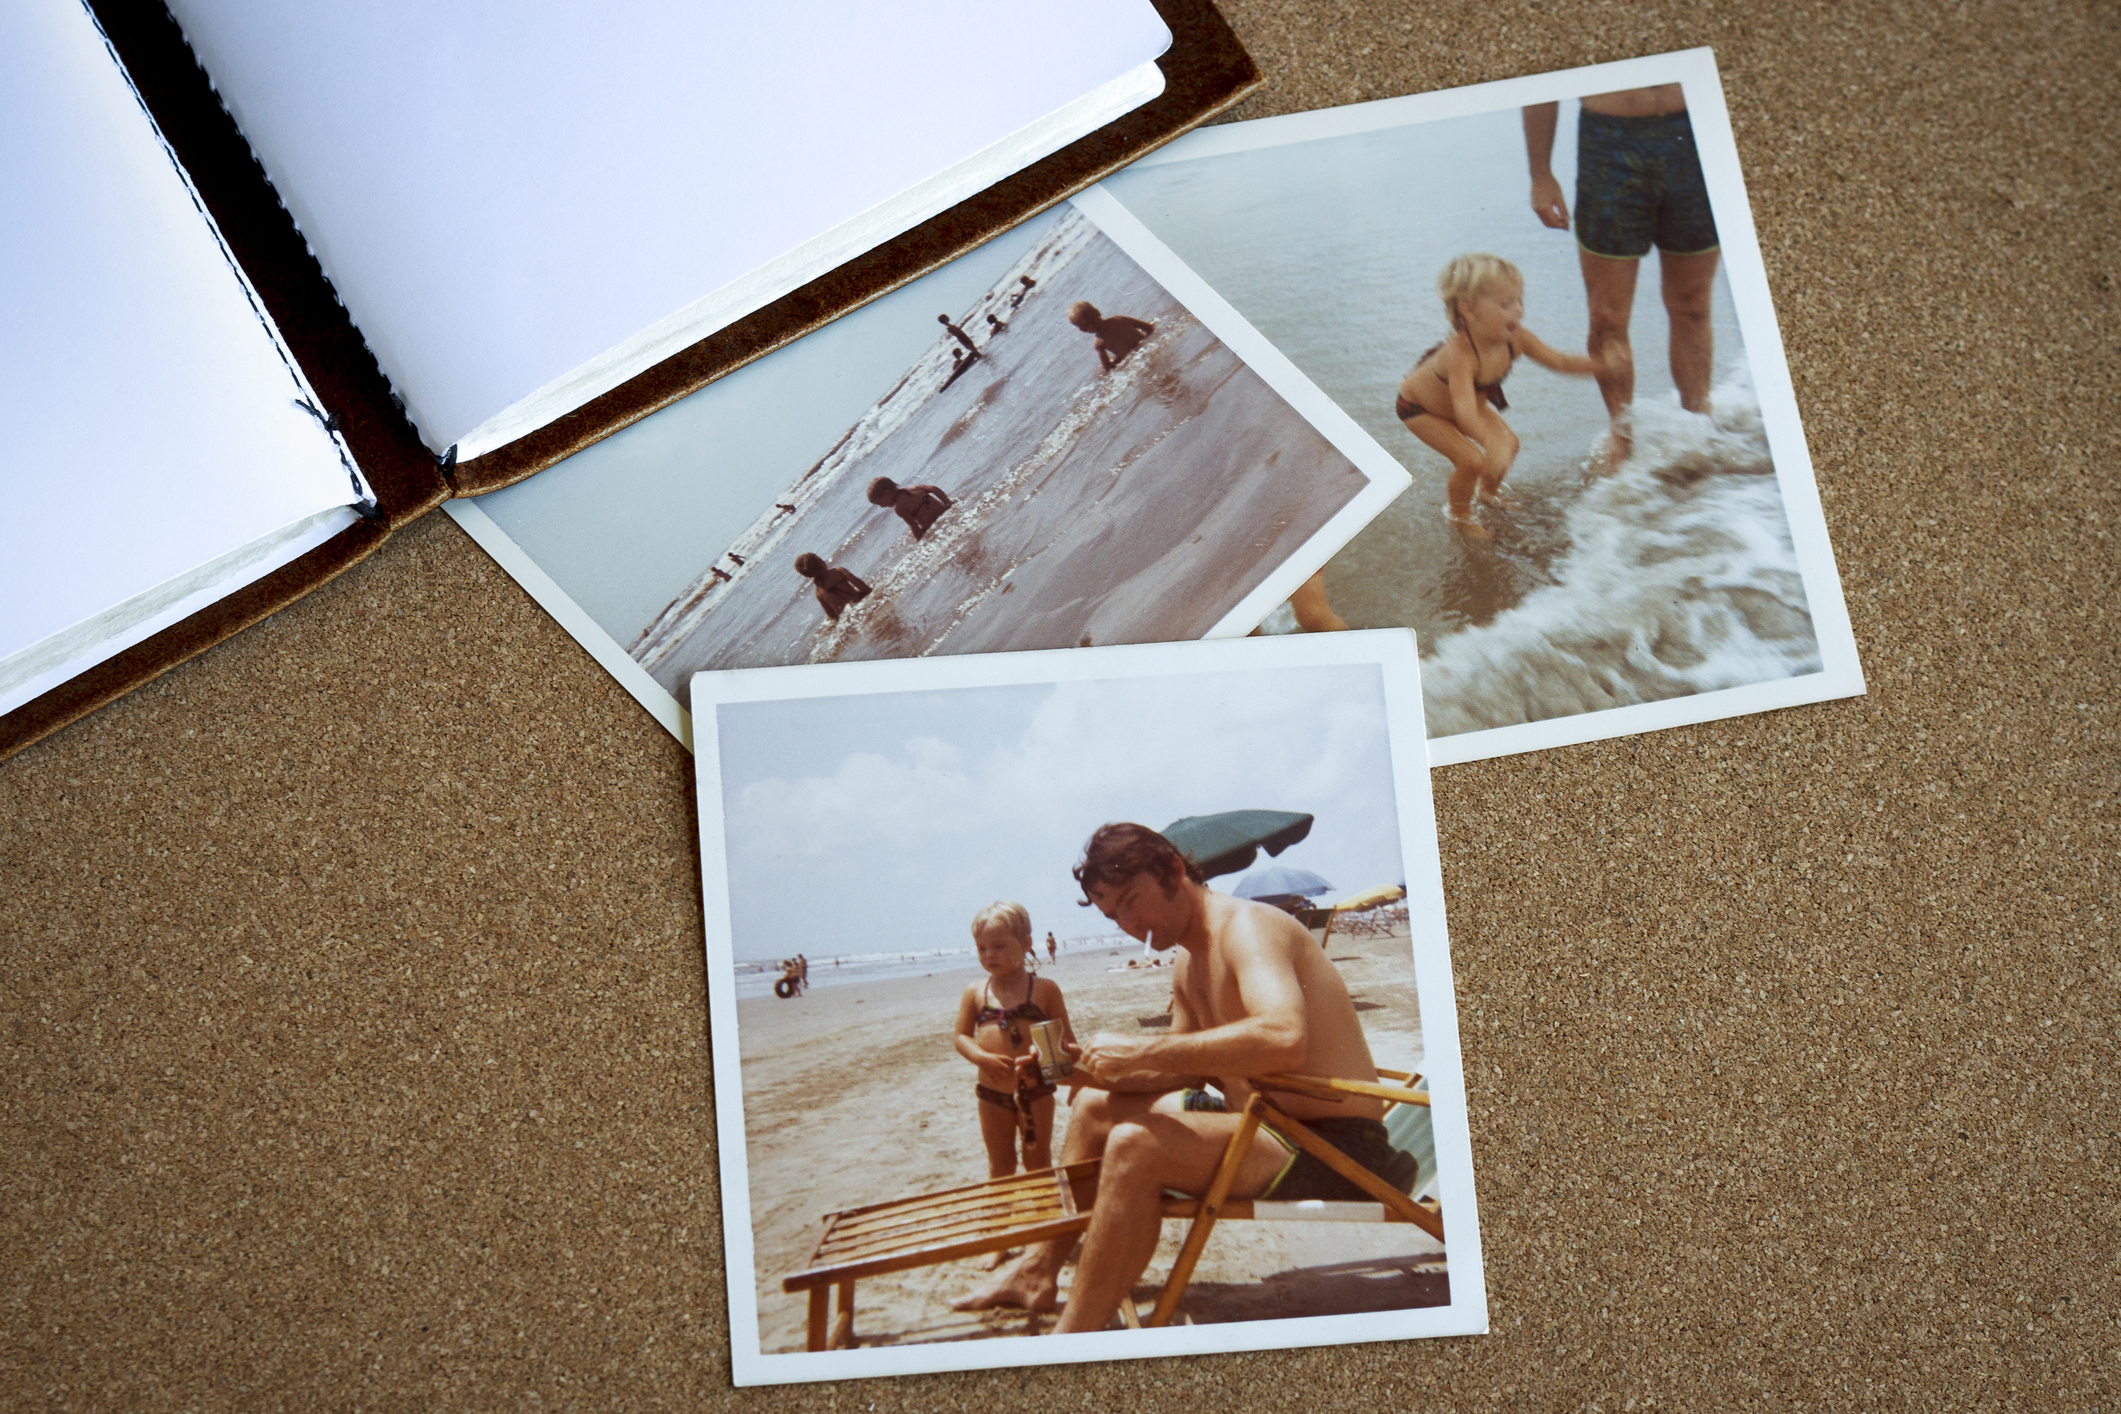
x=1226 y=843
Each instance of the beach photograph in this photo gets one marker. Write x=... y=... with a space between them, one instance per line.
x=1046 y=443
x=960 y=936
x=1544 y=297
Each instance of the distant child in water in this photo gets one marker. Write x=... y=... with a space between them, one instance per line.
x=994 y=1033
x=918 y=506
x=1452 y=398
x=1117 y=336
x=836 y=587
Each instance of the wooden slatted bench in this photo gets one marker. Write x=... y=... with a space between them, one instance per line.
x=1029 y=1208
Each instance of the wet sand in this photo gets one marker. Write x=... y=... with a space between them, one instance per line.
x=855 y=1095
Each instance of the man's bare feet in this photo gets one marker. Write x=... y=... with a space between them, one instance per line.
x=1012 y=1288
x=1492 y=496
x=1617 y=447
x=995 y=1259
x=1467 y=526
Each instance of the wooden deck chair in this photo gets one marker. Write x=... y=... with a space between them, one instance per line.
x=1028 y=1208
x=1409 y=1111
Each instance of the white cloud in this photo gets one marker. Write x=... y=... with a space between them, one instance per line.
x=893 y=849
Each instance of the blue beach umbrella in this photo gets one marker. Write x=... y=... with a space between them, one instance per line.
x=1280 y=881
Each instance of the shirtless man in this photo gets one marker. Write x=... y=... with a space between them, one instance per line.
x=918 y=506
x=1251 y=994
x=1117 y=335
x=1638 y=184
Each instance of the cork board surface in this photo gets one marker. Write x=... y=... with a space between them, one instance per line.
x=352 y=997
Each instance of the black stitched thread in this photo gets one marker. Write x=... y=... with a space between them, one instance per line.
x=364 y=502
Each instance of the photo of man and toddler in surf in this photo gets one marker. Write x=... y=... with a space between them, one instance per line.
x=1551 y=311
x=1216 y=838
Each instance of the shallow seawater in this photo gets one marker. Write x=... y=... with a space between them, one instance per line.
x=1674 y=574
x=1137 y=505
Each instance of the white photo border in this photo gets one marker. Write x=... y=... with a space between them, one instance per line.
x=1393 y=652
x=1841 y=674
x=1385 y=477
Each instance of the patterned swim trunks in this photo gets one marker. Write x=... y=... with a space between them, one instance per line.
x=1638 y=184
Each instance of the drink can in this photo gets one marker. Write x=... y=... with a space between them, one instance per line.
x=1053 y=1063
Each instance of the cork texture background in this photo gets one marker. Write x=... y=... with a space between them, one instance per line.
x=351 y=989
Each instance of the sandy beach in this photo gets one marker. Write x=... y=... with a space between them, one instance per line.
x=853 y=1095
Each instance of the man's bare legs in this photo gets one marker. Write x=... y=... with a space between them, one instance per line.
x=1148 y=1143
x=1034 y=1282
x=1689 y=283
x=1609 y=284
x=1689 y=288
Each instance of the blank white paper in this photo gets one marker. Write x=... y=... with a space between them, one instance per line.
x=509 y=195
x=152 y=422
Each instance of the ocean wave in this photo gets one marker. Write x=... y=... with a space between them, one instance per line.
x=1680 y=577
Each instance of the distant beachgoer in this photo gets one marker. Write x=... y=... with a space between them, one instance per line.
x=1018 y=298
x=1117 y=336
x=1052 y=948
x=994 y=1019
x=995 y=325
x=719 y=573
x=802 y=965
x=783 y=506
x=836 y=587
x=956 y=333
x=918 y=506
x=1638 y=184
x=1452 y=399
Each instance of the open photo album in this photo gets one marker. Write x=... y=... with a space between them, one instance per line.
x=287 y=277
x=1081 y=1005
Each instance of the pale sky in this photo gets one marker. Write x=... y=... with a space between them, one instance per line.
x=882 y=823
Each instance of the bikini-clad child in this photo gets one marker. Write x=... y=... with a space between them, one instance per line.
x=1452 y=399
x=994 y=1029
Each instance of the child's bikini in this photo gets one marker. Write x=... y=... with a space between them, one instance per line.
x=1026 y=1010
x=1402 y=409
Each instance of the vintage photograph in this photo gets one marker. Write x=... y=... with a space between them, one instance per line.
x=1095 y=1002
x=1545 y=298
x=1060 y=440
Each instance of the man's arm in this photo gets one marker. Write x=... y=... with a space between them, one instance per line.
x=1271 y=1035
x=1540 y=121
x=1148 y=1082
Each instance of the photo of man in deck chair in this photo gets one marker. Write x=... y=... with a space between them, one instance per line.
x=1256 y=1140
x=1252 y=995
